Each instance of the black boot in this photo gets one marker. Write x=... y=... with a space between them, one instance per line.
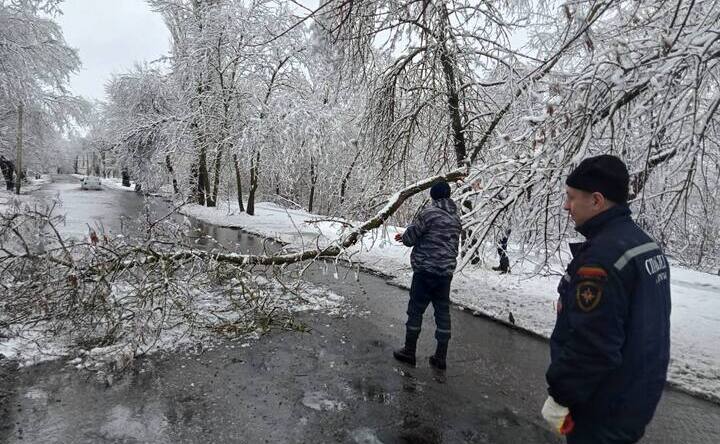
x=437 y=364
x=405 y=355
x=438 y=360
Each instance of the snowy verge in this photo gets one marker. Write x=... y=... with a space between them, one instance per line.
x=7 y=197
x=115 y=183
x=110 y=182
x=530 y=298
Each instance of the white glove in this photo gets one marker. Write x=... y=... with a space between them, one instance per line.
x=557 y=416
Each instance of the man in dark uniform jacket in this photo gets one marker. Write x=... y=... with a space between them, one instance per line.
x=434 y=236
x=611 y=344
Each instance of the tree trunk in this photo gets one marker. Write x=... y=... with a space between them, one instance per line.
x=193 y=180
x=216 y=180
x=202 y=190
x=169 y=166
x=640 y=178
x=254 y=165
x=447 y=60
x=75 y=164
x=239 y=183
x=346 y=179
x=313 y=181
x=19 y=147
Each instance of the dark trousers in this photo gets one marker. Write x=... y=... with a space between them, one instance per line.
x=427 y=288
x=586 y=432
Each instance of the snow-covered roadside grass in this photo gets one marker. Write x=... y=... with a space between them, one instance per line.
x=7 y=197
x=695 y=361
x=111 y=183
x=114 y=183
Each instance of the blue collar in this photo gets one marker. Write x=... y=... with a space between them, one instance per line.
x=593 y=226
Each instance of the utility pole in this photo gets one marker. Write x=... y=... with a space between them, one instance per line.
x=18 y=154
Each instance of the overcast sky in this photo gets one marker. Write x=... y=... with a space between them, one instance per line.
x=110 y=35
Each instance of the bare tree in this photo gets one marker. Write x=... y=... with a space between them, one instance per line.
x=33 y=77
x=634 y=78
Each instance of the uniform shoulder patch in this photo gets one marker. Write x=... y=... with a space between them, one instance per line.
x=589 y=289
x=588 y=294
x=592 y=272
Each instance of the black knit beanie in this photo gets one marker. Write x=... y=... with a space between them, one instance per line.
x=605 y=174
x=440 y=191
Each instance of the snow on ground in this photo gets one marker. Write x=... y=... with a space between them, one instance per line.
x=114 y=183
x=695 y=362
x=5 y=200
x=7 y=197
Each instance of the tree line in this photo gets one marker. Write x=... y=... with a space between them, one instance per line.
x=334 y=108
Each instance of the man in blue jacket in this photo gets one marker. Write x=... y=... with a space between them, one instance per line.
x=434 y=236
x=611 y=344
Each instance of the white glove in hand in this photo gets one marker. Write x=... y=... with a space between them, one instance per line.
x=557 y=416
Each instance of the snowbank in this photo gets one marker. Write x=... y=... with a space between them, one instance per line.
x=7 y=197
x=695 y=362
x=116 y=184
x=5 y=200
x=111 y=182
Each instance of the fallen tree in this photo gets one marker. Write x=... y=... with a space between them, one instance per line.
x=123 y=295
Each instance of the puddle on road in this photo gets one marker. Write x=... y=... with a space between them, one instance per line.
x=421 y=435
x=37 y=394
x=320 y=401
x=410 y=383
x=365 y=436
x=146 y=425
x=372 y=391
x=506 y=418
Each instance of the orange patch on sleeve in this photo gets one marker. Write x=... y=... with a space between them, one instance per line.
x=590 y=272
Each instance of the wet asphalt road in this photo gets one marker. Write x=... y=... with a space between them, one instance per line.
x=337 y=383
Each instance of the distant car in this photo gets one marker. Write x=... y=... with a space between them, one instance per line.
x=90 y=183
